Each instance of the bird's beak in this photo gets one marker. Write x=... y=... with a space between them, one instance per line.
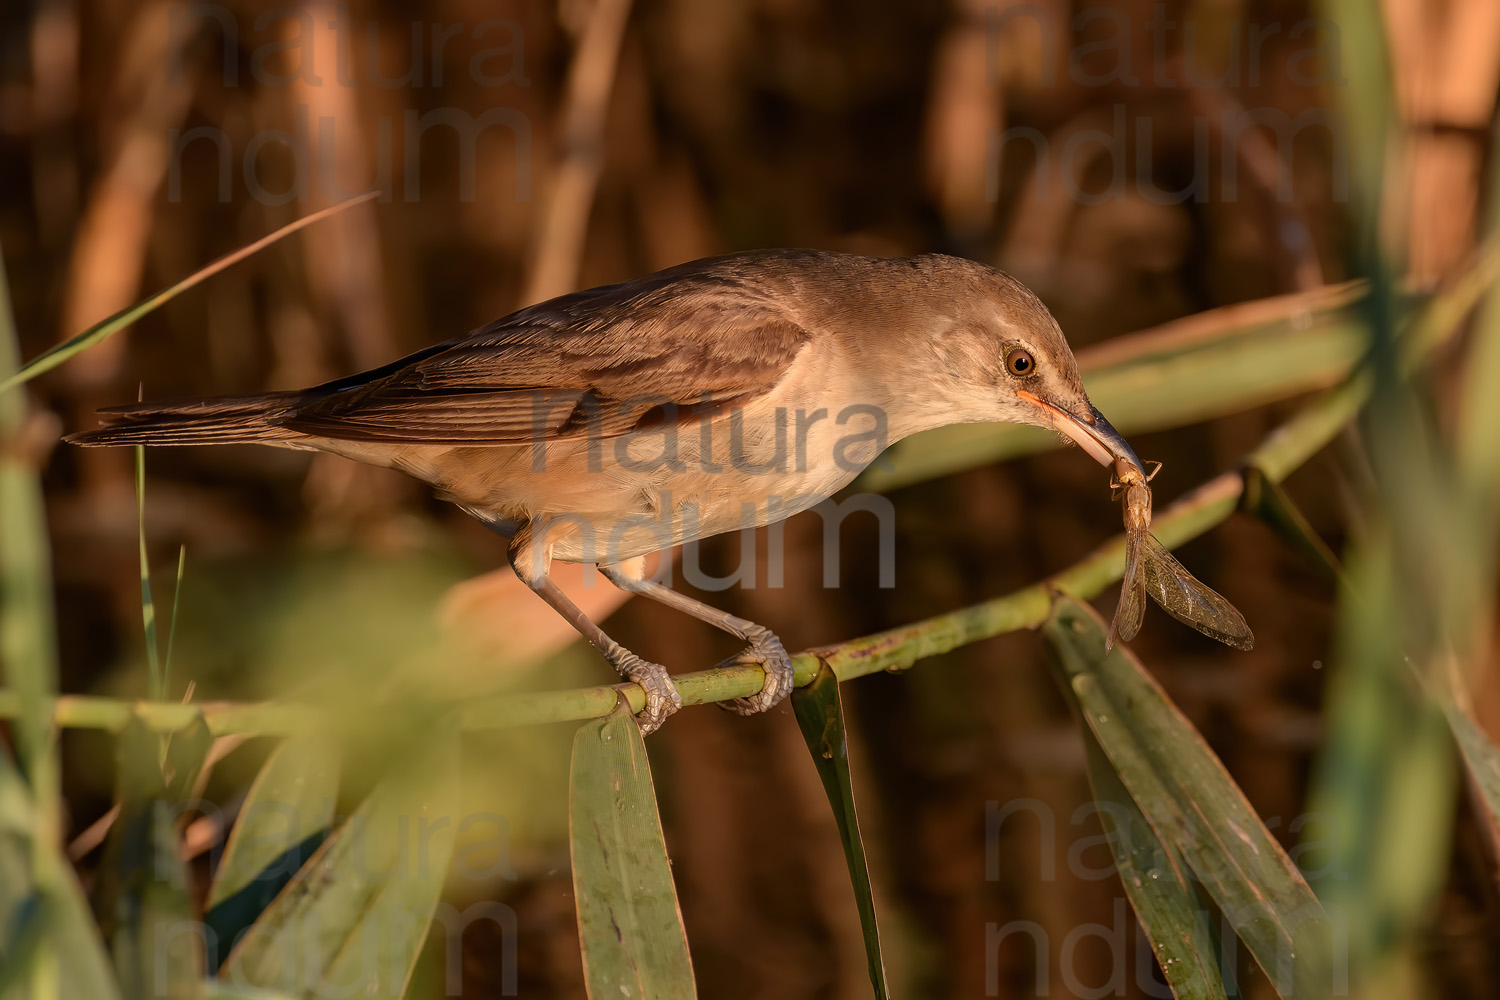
x=1090 y=431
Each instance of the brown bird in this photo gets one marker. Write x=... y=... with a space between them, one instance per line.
x=734 y=391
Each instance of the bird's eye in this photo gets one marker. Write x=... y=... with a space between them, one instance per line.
x=1020 y=362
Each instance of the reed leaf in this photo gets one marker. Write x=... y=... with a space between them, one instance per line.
x=1264 y=498
x=354 y=918
x=629 y=923
x=1193 y=805
x=820 y=715
x=285 y=817
x=1178 y=923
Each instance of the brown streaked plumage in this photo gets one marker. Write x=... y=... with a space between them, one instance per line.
x=609 y=423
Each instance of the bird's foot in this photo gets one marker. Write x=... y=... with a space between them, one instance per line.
x=662 y=696
x=767 y=651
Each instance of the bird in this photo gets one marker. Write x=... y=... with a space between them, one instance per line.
x=733 y=391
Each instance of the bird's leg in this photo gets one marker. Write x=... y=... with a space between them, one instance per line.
x=764 y=648
x=662 y=697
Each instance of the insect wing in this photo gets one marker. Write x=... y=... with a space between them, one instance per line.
x=1131 y=610
x=1191 y=602
x=1128 y=614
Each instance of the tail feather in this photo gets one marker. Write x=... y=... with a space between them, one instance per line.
x=220 y=420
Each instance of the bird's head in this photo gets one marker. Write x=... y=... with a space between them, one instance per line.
x=1015 y=365
x=1041 y=378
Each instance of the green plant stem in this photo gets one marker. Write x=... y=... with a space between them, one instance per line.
x=895 y=649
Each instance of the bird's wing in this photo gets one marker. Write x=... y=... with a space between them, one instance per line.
x=604 y=361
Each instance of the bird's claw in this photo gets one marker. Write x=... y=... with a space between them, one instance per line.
x=662 y=697
x=766 y=651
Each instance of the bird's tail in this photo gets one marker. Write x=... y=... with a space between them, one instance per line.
x=220 y=420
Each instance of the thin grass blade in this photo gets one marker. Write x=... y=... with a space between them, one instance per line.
x=166 y=664
x=1193 y=805
x=106 y=328
x=156 y=682
x=820 y=714
x=629 y=923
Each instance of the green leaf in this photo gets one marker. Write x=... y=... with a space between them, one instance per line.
x=1265 y=498
x=820 y=714
x=183 y=757
x=1477 y=447
x=1192 y=804
x=154 y=938
x=353 y=920
x=166 y=664
x=1477 y=456
x=49 y=943
x=1383 y=786
x=48 y=938
x=629 y=923
x=1482 y=759
x=1155 y=876
x=286 y=815
x=156 y=682
x=28 y=648
x=23 y=931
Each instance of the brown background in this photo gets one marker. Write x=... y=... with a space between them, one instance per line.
x=698 y=128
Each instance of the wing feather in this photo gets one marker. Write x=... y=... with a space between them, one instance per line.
x=672 y=347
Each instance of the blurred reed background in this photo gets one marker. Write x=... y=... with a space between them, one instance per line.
x=607 y=139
